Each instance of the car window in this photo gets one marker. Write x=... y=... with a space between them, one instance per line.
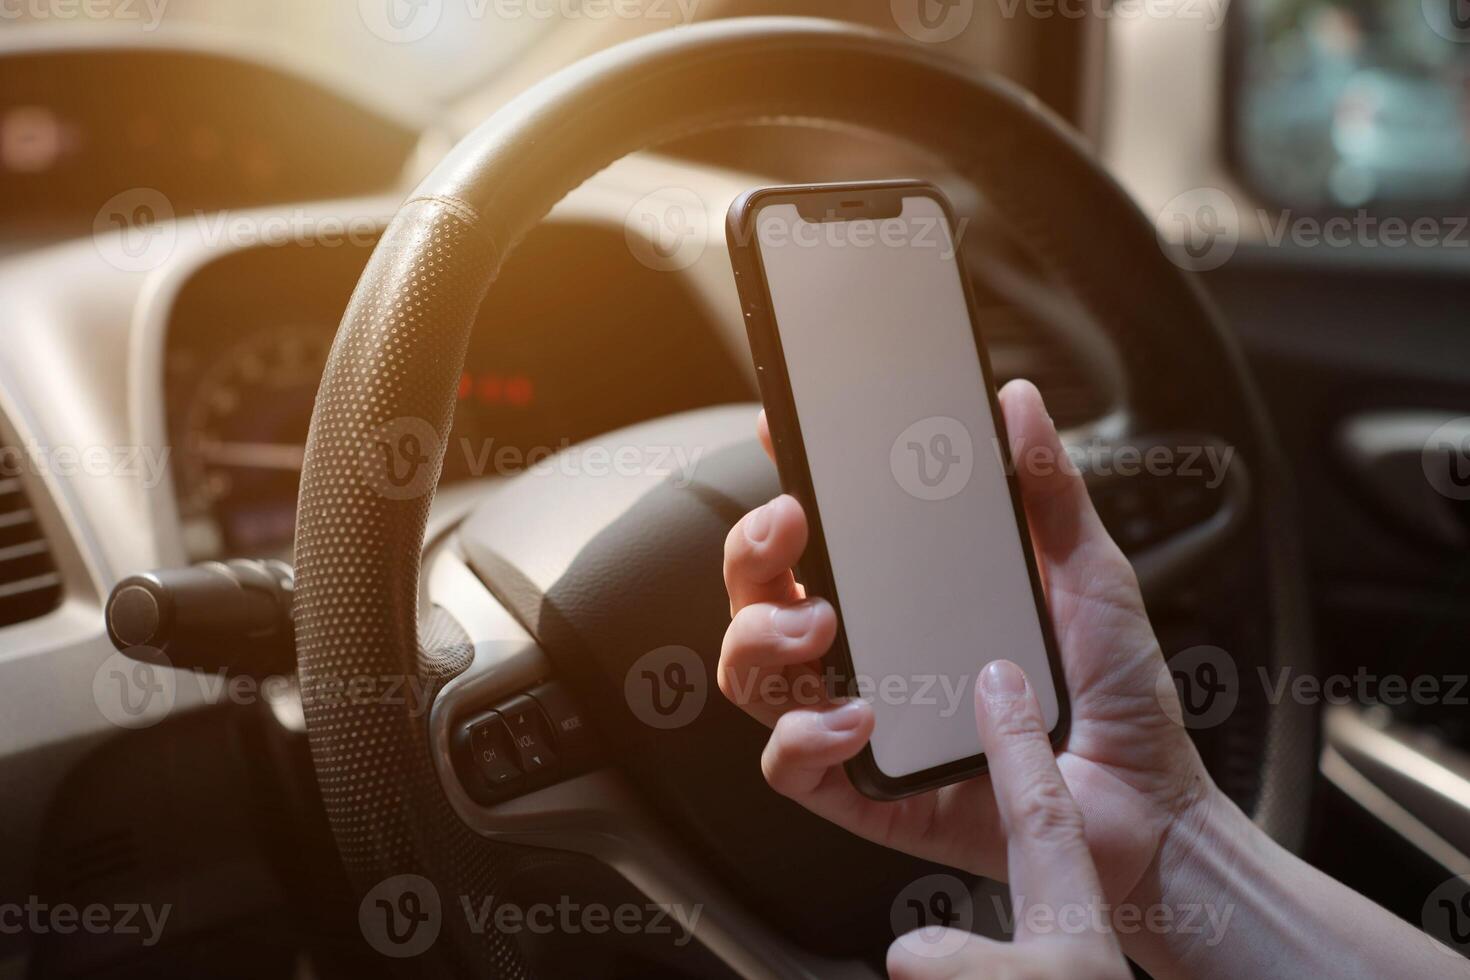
x=1352 y=104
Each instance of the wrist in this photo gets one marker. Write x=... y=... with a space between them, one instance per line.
x=1182 y=905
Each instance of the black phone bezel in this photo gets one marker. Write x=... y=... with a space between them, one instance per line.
x=840 y=201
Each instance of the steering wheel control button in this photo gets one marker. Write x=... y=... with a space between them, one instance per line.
x=1140 y=511
x=568 y=723
x=492 y=750
x=531 y=734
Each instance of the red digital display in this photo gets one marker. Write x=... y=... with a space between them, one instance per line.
x=487 y=388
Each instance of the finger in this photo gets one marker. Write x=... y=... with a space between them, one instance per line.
x=1091 y=588
x=764 y=640
x=934 y=953
x=1047 y=859
x=949 y=954
x=807 y=748
x=760 y=551
x=763 y=432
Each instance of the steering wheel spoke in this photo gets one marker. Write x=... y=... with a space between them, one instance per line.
x=589 y=806
x=1172 y=500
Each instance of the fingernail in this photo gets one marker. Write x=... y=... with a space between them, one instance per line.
x=1002 y=679
x=843 y=718
x=758 y=524
x=794 y=621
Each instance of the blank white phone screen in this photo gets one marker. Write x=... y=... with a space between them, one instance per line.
x=925 y=549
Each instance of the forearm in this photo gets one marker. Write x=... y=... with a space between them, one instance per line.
x=1261 y=911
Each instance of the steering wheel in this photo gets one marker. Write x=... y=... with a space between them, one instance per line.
x=597 y=574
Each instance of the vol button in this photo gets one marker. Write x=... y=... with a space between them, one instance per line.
x=530 y=732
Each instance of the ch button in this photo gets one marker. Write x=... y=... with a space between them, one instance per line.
x=493 y=750
x=530 y=733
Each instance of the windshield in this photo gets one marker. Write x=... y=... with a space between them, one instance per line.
x=1354 y=103
x=431 y=49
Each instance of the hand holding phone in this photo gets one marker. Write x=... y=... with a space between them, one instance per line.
x=1156 y=834
x=1134 y=772
x=883 y=419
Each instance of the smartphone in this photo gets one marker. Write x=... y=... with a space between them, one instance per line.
x=884 y=418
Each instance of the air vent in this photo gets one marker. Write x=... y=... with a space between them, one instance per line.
x=29 y=583
x=1021 y=347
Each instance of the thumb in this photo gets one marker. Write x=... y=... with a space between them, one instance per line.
x=1069 y=537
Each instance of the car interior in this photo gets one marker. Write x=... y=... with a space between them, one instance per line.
x=1240 y=227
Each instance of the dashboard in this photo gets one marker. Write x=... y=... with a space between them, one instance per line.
x=575 y=339
x=79 y=126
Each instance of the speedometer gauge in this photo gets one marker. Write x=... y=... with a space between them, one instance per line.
x=244 y=439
